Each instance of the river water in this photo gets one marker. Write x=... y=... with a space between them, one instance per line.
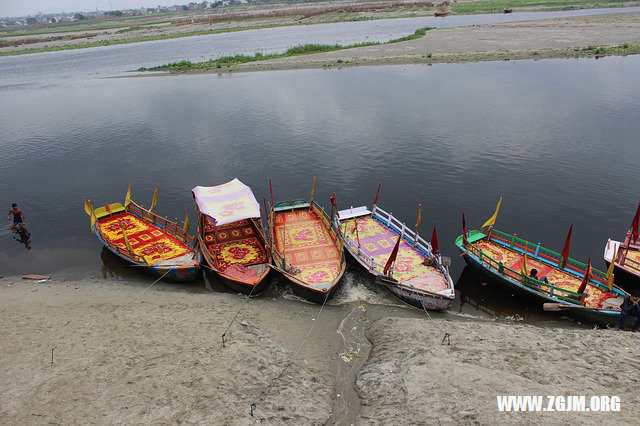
x=557 y=138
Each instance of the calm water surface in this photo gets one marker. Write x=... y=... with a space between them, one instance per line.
x=557 y=138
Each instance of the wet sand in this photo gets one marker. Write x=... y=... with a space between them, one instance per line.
x=125 y=354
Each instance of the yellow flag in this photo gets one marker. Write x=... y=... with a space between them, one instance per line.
x=155 y=199
x=186 y=221
x=126 y=240
x=523 y=270
x=127 y=198
x=419 y=219
x=611 y=266
x=492 y=219
x=88 y=207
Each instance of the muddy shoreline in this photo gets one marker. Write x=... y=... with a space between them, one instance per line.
x=125 y=354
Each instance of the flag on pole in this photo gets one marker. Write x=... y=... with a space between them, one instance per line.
x=375 y=201
x=88 y=207
x=464 y=232
x=435 y=247
x=393 y=256
x=127 y=198
x=567 y=246
x=586 y=279
x=523 y=269
x=611 y=267
x=155 y=199
x=492 y=219
x=313 y=190
x=126 y=240
x=634 y=226
x=187 y=224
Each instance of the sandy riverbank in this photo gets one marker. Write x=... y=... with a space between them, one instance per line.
x=563 y=37
x=123 y=355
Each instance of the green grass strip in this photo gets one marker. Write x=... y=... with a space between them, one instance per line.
x=498 y=6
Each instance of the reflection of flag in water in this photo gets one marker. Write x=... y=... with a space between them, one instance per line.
x=523 y=269
x=464 y=231
x=586 y=279
x=492 y=219
x=127 y=198
x=435 y=247
x=565 y=249
x=611 y=266
x=393 y=256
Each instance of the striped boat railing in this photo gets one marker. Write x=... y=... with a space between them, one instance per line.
x=551 y=257
x=537 y=285
x=321 y=212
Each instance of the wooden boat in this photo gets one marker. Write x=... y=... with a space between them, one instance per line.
x=232 y=241
x=306 y=248
x=440 y=13
x=146 y=239
x=627 y=256
x=508 y=10
x=418 y=276
x=499 y=257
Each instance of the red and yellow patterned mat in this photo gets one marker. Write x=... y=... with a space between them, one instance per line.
x=513 y=260
x=378 y=242
x=146 y=240
x=305 y=243
x=234 y=244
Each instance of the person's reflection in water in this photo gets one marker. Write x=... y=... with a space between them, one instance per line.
x=24 y=236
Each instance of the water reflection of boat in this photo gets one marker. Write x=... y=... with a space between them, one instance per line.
x=405 y=264
x=146 y=239
x=306 y=248
x=501 y=258
x=231 y=239
x=627 y=256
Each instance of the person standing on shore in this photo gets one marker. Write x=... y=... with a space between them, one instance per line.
x=18 y=216
x=630 y=306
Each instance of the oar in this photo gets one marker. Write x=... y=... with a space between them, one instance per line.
x=559 y=307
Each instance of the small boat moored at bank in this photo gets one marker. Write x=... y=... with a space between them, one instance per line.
x=626 y=256
x=306 y=248
x=403 y=262
x=230 y=236
x=146 y=239
x=562 y=284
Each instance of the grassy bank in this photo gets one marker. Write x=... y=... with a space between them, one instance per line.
x=307 y=49
x=498 y=6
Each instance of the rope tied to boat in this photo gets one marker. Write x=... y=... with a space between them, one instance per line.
x=254 y=404
x=247 y=297
x=447 y=336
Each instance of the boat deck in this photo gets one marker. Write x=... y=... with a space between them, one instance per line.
x=237 y=243
x=377 y=241
x=146 y=240
x=513 y=260
x=305 y=243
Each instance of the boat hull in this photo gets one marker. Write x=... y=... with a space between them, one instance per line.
x=624 y=278
x=611 y=318
x=312 y=295
x=246 y=288
x=414 y=298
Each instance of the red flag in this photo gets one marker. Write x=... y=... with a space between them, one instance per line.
x=435 y=248
x=587 y=277
x=464 y=232
x=634 y=225
x=393 y=256
x=377 y=193
x=565 y=249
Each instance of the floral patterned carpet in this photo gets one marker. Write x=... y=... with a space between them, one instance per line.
x=234 y=244
x=306 y=244
x=146 y=240
x=513 y=260
x=378 y=241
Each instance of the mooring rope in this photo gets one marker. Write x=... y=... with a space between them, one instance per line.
x=153 y=283
x=254 y=404
x=446 y=335
x=247 y=297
